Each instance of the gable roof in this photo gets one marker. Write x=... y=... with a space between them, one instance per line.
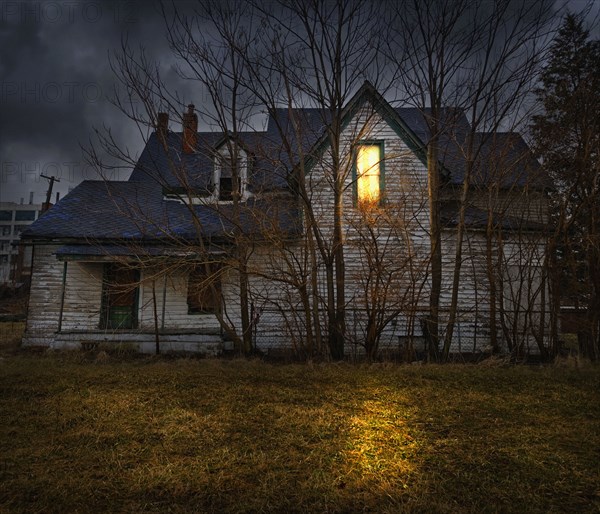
x=311 y=124
x=171 y=168
x=137 y=209
x=502 y=157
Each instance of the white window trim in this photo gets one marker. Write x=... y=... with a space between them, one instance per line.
x=223 y=152
x=213 y=198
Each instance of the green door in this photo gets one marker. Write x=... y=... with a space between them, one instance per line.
x=120 y=291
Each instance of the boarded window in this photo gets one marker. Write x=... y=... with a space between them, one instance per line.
x=204 y=289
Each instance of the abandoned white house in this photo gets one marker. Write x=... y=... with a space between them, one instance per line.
x=157 y=259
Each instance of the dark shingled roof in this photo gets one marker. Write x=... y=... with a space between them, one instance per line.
x=138 y=210
x=501 y=157
x=175 y=169
x=126 y=249
x=98 y=210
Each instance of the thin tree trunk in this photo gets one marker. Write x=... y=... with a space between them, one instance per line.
x=244 y=306
x=460 y=234
x=491 y=275
x=436 y=249
x=155 y=313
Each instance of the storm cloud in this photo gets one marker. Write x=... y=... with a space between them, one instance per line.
x=56 y=84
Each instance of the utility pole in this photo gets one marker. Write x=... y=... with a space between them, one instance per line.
x=51 y=180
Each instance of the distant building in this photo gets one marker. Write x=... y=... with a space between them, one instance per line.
x=15 y=261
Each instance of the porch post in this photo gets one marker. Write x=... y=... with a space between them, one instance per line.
x=164 y=302
x=62 y=296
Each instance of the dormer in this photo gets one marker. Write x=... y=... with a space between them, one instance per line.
x=230 y=172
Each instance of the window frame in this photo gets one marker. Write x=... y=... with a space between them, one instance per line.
x=25 y=215
x=222 y=155
x=110 y=293
x=355 y=178
x=214 y=289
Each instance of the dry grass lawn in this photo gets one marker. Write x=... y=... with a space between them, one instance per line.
x=88 y=433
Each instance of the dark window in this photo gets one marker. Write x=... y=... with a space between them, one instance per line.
x=5 y=230
x=204 y=289
x=226 y=183
x=226 y=188
x=24 y=215
x=5 y=215
x=119 y=297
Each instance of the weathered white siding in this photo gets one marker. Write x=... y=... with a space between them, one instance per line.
x=170 y=290
x=44 y=297
x=516 y=268
x=397 y=232
x=82 y=309
x=83 y=296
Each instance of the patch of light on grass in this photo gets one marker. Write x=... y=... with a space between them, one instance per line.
x=380 y=444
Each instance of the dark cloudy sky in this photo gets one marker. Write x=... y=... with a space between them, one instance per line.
x=55 y=84
x=55 y=81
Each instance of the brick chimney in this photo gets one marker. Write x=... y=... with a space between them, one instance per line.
x=190 y=129
x=162 y=127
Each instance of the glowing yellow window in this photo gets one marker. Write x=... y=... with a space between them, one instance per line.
x=368 y=175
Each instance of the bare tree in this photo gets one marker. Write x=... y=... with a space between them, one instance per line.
x=319 y=53
x=481 y=58
x=305 y=62
x=313 y=53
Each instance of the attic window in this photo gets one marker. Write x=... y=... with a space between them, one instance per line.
x=227 y=185
x=369 y=174
x=230 y=175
